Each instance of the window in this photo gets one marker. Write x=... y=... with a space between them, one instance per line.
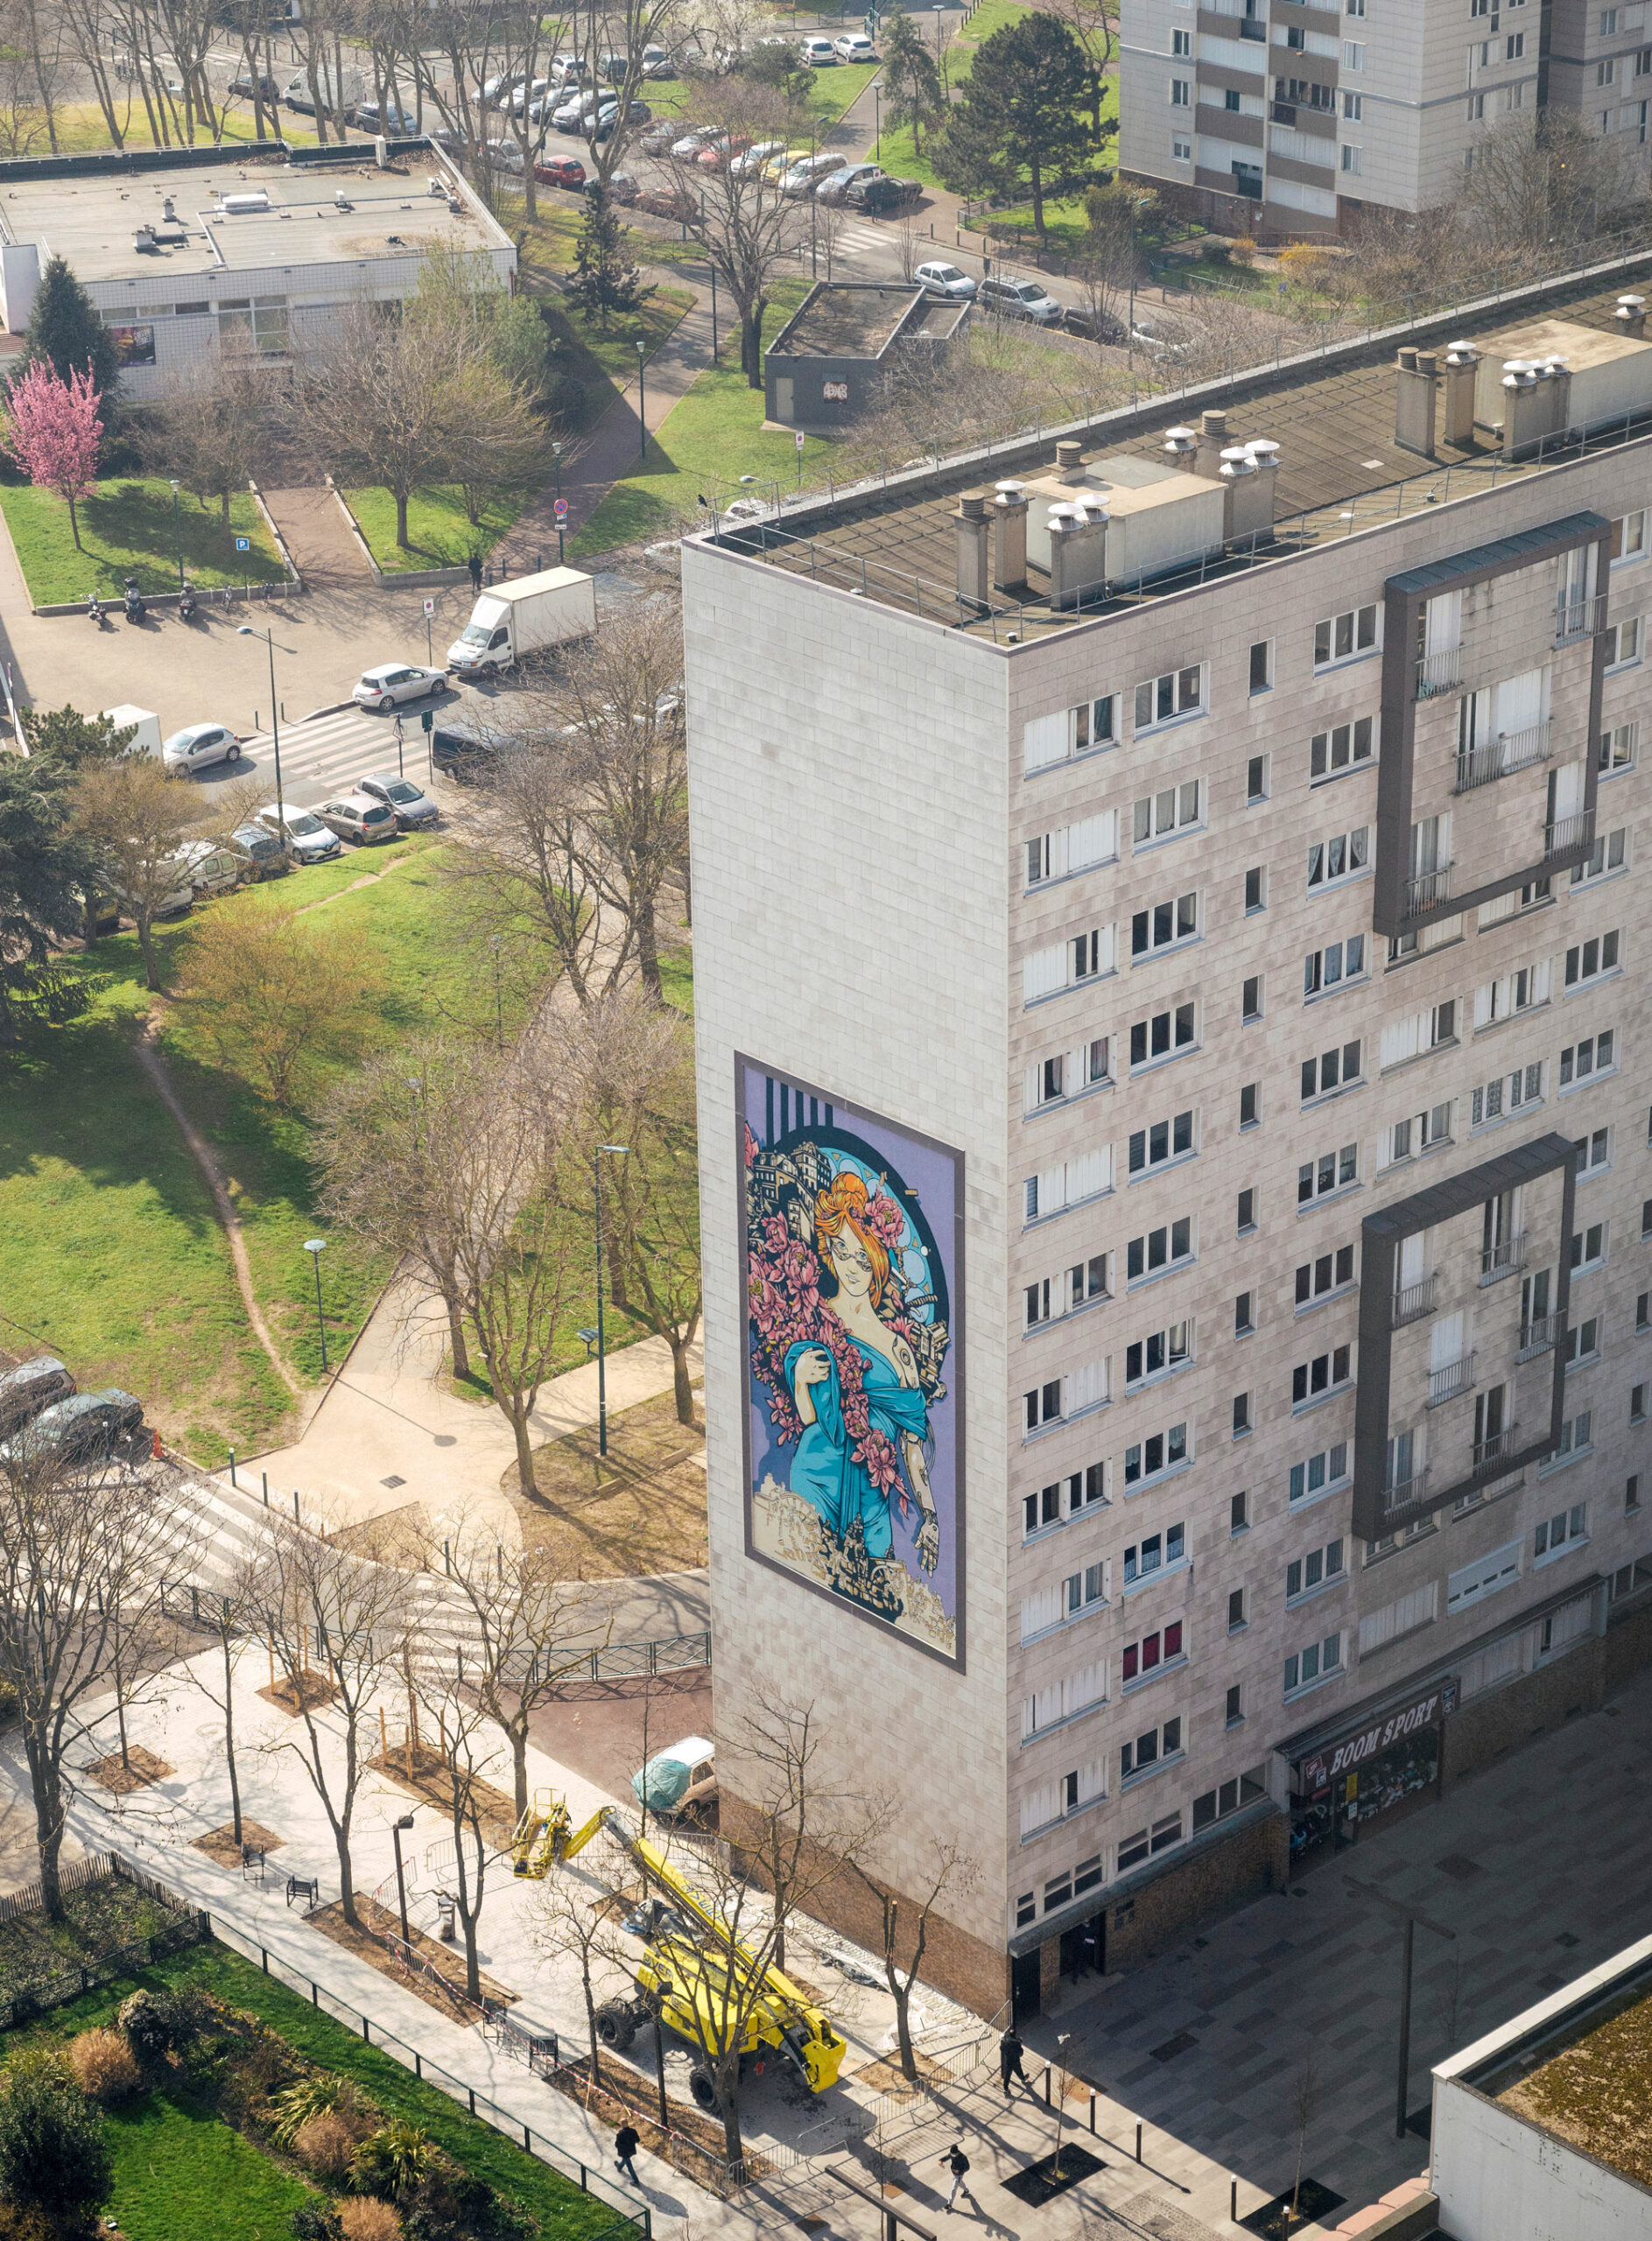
x=1230 y=99
x=1162 y=1035
x=1060 y=1296
x=1053 y=1707
x=1256 y=779
x=1327 y=1273
x=1514 y=46
x=1325 y=1374
x=1618 y=749
x=1150 y=1749
x=1072 y=848
x=1420 y=1133
x=1242 y=1414
x=1180 y=93
x=1331 y=1171
x=1181 y=150
x=1043 y=1405
x=1239 y=1514
x=1315 y=1472
x=1643 y=1304
x=1245 y=1212
x=1588 y=1248
x=1160 y=1452
x=1490 y=1574
x=1352 y=54
x=1079 y=1491
x=1583 y=1341
x=1507 y=1094
x=1080 y=1591
x=1250 y=998
x=1609 y=30
x=1632 y=1492
x=1637 y=1404
x=1069 y=1182
x=1026 y=1909
x=1318 y=1661
x=1165 y=925
x=1610 y=854
x=1068 y=731
x=1558 y=1531
x=1589 y=960
x=1250 y=1105
x=1623 y=643
x=1161 y=814
x=1181 y=42
x=1153 y=1651
x=1262 y=665
x=1244 y=1315
x=1593 y=1152
x=1419 y=1031
x=1354 y=108
x=1333 y=1069
x=1159 y=1552
x=1629 y=537
x=1342 y=748
x=1318 y=1569
x=1256 y=889
x=1235 y=1610
x=1574 y=1440
x=1341 y=857
x=1069 y=1073
x=1066 y=964
x=1353 y=158
x=1159 y=1248
x=1476 y=115
x=1520 y=991
x=1235 y=1712
x=1160 y=1351
x=1340 y=637
x=1592 y=1054
x=1165 y=1140
x=1178 y=692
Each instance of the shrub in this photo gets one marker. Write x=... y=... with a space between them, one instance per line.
x=366 y=2218
x=162 y=2023
x=316 y=2095
x=327 y=2144
x=104 y=2064
x=53 y=2154
x=315 y=2222
x=18 y=2224
x=394 y=2160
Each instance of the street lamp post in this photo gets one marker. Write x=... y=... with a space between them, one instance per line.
x=397 y=1827
x=602 y=1359
x=493 y=941
x=937 y=30
x=556 y=450
x=1061 y=2081
x=178 y=535
x=641 y=401
x=315 y=1246
x=877 y=120
x=246 y=631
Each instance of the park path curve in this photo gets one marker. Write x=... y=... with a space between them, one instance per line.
x=317 y=534
x=154 y=1066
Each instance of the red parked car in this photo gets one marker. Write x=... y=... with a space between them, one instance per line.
x=559 y=170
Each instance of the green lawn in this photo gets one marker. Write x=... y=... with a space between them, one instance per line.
x=439 y=534
x=127 y=529
x=563 y=2213
x=713 y=437
x=181 y=2173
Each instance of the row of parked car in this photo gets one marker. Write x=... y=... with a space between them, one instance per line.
x=41 y=1414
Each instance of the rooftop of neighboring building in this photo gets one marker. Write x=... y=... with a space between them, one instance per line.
x=846 y=318
x=310 y=214
x=1331 y=423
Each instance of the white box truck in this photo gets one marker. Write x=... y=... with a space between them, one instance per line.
x=142 y=721
x=340 y=99
x=523 y=616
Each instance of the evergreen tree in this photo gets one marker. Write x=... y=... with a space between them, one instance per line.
x=74 y=739
x=44 y=868
x=604 y=281
x=54 y=2154
x=1019 y=127
x=911 y=83
x=65 y=334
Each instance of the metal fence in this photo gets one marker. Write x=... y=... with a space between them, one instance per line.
x=69 y=1979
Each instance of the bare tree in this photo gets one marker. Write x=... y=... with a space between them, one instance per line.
x=746 y=225
x=952 y=1872
x=1542 y=188
x=84 y=1552
x=213 y=426
x=274 y=997
x=570 y=1921
x=472 y=1752
x=1305 y=2102
x=134 y=817
x=225 y=1614
x=339 y=1626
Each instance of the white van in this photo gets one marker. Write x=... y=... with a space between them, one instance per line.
x=144 y=721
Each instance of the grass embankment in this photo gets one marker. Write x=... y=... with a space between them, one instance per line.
x=158 y=2158
x=128 y=529
x=82 y=128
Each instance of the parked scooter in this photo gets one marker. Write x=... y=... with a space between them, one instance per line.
x=94 y=608
x=186 y=603
x=135 y=608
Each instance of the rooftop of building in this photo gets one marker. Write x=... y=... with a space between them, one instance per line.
x=846 y=318
x=1337 y=466
x=338 y=215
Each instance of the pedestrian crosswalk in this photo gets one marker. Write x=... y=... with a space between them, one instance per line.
x=327 y=754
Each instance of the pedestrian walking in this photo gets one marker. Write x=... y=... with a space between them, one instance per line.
x=475 y=571
x=1009 y=2053
x=627 y=2140
x=958 y=2163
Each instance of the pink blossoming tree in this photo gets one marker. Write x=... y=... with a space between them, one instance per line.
x=53 y=430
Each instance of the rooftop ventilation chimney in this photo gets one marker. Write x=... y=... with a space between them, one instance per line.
x=1537 y=402
x=1070 y=462
x=1009 y=536
x=1181 y=444
x=1631 y=316
x=973 y=534
x=1415 y=402
x=1077 y=550
x=1458 y=381
x=1248 y=476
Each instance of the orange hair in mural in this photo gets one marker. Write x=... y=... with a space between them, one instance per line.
x=838 y=1209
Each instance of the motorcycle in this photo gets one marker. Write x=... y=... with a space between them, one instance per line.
x=186 y=604
x=94 y=608
x=133 y=601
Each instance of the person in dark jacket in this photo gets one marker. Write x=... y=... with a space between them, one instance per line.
x=958 y=2163
x=1009 y=2054
x=627 y=2140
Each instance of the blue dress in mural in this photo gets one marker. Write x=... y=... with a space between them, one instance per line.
x=824 y=1470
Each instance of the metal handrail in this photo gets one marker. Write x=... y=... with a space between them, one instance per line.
x=1403 y=1493
x=1538 y=1336
x=1457 y=1377
x=1439 y=672
x=1424 y=890
x=1502 y=1259
x=1577 y=831
x=1579 y=618
x=1413 y=1299
x=1508 y=752
x=1490 y=1454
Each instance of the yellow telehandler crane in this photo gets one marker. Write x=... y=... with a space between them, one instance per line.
x=698 y=1978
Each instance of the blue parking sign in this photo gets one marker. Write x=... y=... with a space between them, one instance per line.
x=243 y=544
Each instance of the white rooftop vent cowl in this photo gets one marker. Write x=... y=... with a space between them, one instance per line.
x=436 y=189
x=1263 y=450
x=1010 y=493
x=241 y=204
x=1461 y=353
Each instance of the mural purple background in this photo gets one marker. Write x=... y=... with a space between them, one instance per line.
x=852 y=1235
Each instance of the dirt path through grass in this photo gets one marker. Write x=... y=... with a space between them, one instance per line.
x=155 y=1067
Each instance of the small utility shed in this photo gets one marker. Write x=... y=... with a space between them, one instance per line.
x=822 y=367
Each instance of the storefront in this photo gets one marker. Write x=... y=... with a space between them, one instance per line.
x=1373 y=1762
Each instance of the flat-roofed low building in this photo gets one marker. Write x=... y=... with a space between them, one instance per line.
x=192 y=251
x=823 y=369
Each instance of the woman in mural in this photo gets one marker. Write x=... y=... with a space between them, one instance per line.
x=830 y=1468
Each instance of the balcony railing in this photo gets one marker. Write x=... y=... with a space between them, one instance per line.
x=1509 y=751
x=1491 y=1455
x=1253 y=27
x=1502 y=1259
x=1426 y=888
x=1579 y=618
x=1412 y=1300
x=1440 y=673
x=1403 y=1493
x=1445 y=1384
x=1538 y=1336
x=1566 y=833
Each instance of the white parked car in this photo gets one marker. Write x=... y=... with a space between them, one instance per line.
x=693 y=145
x=199 y=745
x=308 y=841
x=757 y=159
x=854 y=46
x=211 y=868
x=820 y=53
x=945 y=280
x=382 y=687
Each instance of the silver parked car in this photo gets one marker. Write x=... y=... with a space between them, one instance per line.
x=199 y=745
x=943 y=279
x=382 y=687
x=359 y=818
x=309 y=842
x=30 y=1387
x=411 y=810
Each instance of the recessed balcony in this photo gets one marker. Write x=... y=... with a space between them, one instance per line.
x=1412 y=1302
x=1508 y=752
x=1503 y=1258
x=1579 y=618
x=1445 y=1384
x=1441 y=672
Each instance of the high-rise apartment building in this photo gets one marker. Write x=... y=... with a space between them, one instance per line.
x=1174 y=1121
x=1282 y=119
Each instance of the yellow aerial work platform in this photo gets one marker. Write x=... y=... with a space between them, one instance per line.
x=541 y=1834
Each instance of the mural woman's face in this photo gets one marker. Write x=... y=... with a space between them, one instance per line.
x=851 y=1263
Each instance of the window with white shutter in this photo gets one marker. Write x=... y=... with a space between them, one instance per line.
x=1044 y=971
x=1399 y=1617
x=1088 y=1386
x=1473 y=1583
x=1093 y=840
x=1040 y=1806
x=1086 y=1687
x=1041 y=1611
x=1045 y=741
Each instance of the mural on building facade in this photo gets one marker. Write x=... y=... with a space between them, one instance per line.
x=853 y=1435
